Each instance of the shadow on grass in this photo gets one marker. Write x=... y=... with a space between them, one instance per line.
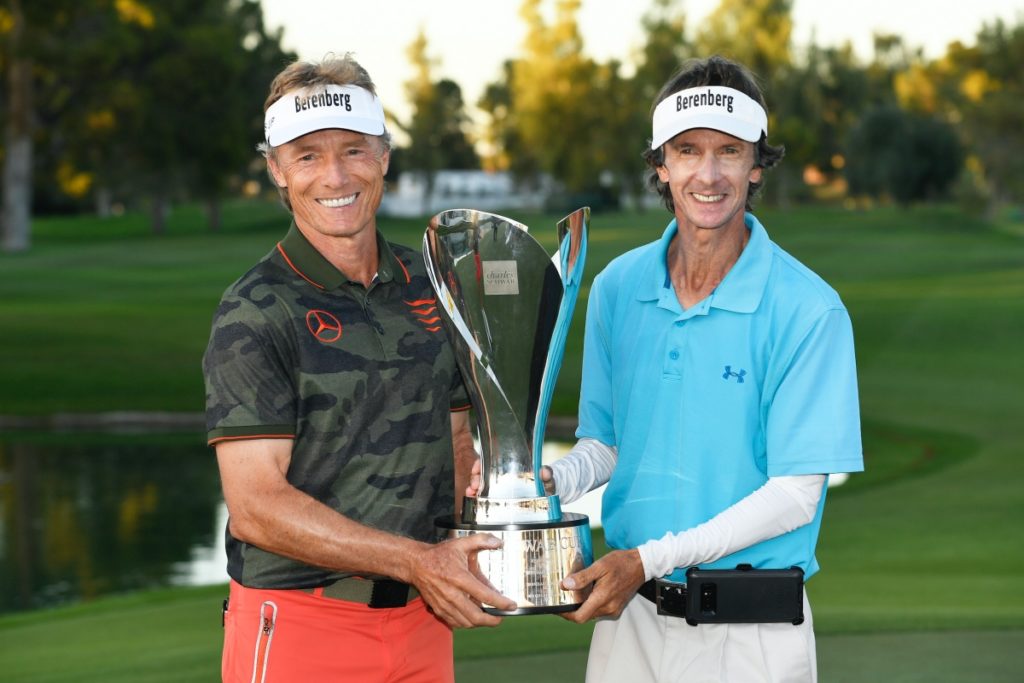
x=894 y=453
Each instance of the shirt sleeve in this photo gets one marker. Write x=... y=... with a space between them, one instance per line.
x=459 y=394
x=814 y=419
x=595 y=412
x=250 y=391
x=587 y=465
x=780 y=506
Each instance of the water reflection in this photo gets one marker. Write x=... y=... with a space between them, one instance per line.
x=86 y=516
x=207 y=564
x=82 y=517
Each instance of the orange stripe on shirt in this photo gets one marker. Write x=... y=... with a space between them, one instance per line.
x=424 y=311
x=249 y=436
x=407 y=278
x=299 y=272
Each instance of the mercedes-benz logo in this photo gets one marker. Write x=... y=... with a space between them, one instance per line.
x=324 y=326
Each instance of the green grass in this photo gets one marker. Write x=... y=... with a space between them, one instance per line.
x=102 y=316
x=174 y=635
x=167 y=635
x=921 y=555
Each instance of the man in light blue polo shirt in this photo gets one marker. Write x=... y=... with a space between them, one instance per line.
x=719 y=391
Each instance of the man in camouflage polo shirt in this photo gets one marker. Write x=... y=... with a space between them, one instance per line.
x=335 y=405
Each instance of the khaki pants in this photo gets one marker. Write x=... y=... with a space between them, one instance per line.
x=641 y=646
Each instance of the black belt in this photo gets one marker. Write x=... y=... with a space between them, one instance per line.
x=673 y=597
x=649 y=591
x=376 y=593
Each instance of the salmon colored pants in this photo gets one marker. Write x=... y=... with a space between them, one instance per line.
x=281 y=636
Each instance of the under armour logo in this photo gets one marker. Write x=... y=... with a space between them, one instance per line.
x=728 y=374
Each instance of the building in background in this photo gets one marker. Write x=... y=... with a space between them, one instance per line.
x=481 y=190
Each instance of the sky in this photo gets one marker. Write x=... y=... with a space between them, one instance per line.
x=471 y=38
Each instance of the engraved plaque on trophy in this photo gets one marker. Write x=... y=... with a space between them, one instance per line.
x=508 y=306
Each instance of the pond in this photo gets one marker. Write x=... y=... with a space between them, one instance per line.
x=83 y=516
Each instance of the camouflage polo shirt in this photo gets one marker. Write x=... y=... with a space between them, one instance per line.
x=363 y=380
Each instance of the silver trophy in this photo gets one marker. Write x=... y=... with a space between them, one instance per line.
x=509 y=305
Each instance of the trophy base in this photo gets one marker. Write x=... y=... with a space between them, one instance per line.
x=524 y=611
x=533 y=560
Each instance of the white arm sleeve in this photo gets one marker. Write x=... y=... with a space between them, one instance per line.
x=781 y=505
x=585 y=467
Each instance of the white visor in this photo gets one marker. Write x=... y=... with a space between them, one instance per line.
x=711 y=106
x=334 y=106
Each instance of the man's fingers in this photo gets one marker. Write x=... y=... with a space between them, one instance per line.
x=584 y=612
x=547 y=478
x=469 y=606
x=579 y=580
x=471 y=615
x=484 y=592
x=498 y=601
x=474 y=543
x=473 y=489
x=580 y=616
x=612 y=582
x=458 y=602
x=598 y=604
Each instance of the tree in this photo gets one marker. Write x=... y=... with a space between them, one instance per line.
x=239 y=59
x=146 y=99
x=753 y=32
x=44 y=73
x=815 y=103
x=983 y=89
x=438 y=130
x=557 y=109
x=664 y=50
x=18 y=82
x=197 y=113
x=505 y=149
x=902 y=155
x=452 y=134
x=625 y=129
x=76 y=112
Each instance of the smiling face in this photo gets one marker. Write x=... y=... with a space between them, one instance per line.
x=708 y=173
x=334 y=179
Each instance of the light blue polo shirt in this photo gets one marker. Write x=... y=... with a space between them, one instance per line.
x=704 y=404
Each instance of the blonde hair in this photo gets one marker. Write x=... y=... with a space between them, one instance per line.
x=332 y=69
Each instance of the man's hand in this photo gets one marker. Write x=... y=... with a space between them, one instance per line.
x=447 y=577
x=615 y=578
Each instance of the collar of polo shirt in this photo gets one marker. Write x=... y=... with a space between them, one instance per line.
x=711 y=106
x=333 y=106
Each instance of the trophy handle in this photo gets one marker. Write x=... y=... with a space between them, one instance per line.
x=570 y=260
